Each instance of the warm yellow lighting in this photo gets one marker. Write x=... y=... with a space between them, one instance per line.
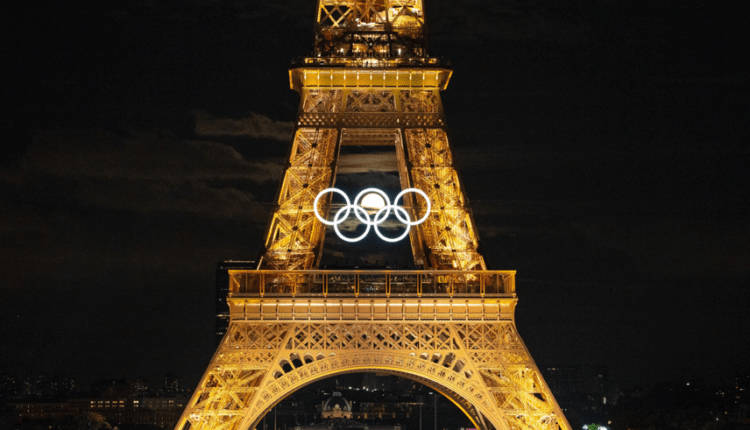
x=450 y=325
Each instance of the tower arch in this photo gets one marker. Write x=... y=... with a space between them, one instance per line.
x=481 y=366
x=448 y=323
x=454 y=386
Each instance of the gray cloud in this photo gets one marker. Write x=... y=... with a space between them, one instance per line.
x=636 y=234
x=352 y=223
x=367 y=179
x=505 y=20
x=360 y=163
x=654 y=212
x=140 y=156
x=146 y=172
x=254 y=125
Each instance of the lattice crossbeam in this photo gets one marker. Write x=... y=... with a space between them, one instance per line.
x=449 y=234
x=336 y=13
x=371 y=101
x=440 y=354
x=371 y=81
x=294 y=234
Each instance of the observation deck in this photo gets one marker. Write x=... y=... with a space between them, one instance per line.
x=395 y=295
x=384 y=61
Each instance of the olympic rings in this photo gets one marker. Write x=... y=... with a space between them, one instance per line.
x=364 y=217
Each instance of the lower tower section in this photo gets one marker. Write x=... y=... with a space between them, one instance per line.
x=453 y=331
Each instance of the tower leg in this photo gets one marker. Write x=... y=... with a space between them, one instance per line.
x=483 y=367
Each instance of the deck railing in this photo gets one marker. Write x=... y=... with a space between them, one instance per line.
x=371 y=283
x=370 y=119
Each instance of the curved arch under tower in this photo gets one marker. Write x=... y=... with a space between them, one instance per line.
x=482 y=366
x=450 y=324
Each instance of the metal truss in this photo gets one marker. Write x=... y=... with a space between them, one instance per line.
x=370 y=101
x=370 y=28
x=322 y=101
x=447 y=240
x=483 y=367
x=450 y=239
x=294 y=234
x=450 y=326
x=451 y=284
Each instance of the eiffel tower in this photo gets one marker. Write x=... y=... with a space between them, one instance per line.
x=449 y=325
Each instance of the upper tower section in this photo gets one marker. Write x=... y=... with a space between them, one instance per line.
x=370 y=33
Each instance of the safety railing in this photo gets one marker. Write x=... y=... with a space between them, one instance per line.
x=378 y=61
x=371 y=283
x=369 y=119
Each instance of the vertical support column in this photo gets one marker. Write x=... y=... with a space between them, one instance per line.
x=416 y=235
x=450 y=236
x=294 y=235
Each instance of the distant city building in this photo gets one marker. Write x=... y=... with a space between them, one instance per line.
x=336 y=413
x=10 y=385
x=139 y=388
x=43 y=386
x=742 y=386
x=222 y=290
x=578 y=381
x=741 y=397
x=111 y=388
x=376 y=381
x=336 y=407
x=147 y=411
x=173 y=385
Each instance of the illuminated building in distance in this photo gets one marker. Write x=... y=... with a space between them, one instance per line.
x=221 y=321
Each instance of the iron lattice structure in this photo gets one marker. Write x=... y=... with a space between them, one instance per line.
x=450 y=326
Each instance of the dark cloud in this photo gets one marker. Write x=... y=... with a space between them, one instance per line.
x=85 y=205
x=254 y=126
x=601 y=145
x=354 y=183
x=647 y=243
x=651 y=212
x=360 y=163
x=146 y=172
x=483 y=20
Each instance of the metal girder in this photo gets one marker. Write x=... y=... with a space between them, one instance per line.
x=447 y=240
x=294 y=234
x=482 y=366
x=370 y=28
x=449 y=234
x=450 y=326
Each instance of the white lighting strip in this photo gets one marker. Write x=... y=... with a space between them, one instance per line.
x=364 y=217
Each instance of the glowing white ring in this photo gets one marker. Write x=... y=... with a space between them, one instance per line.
x=395 y=211
x=338 y=220
x=331 y=190
x=426 y=214
x=380 y=216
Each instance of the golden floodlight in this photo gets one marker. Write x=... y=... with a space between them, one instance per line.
x=448 y=323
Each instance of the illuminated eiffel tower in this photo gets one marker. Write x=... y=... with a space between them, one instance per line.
x=449 y=326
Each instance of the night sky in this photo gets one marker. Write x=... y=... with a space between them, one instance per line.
x=603 y=146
